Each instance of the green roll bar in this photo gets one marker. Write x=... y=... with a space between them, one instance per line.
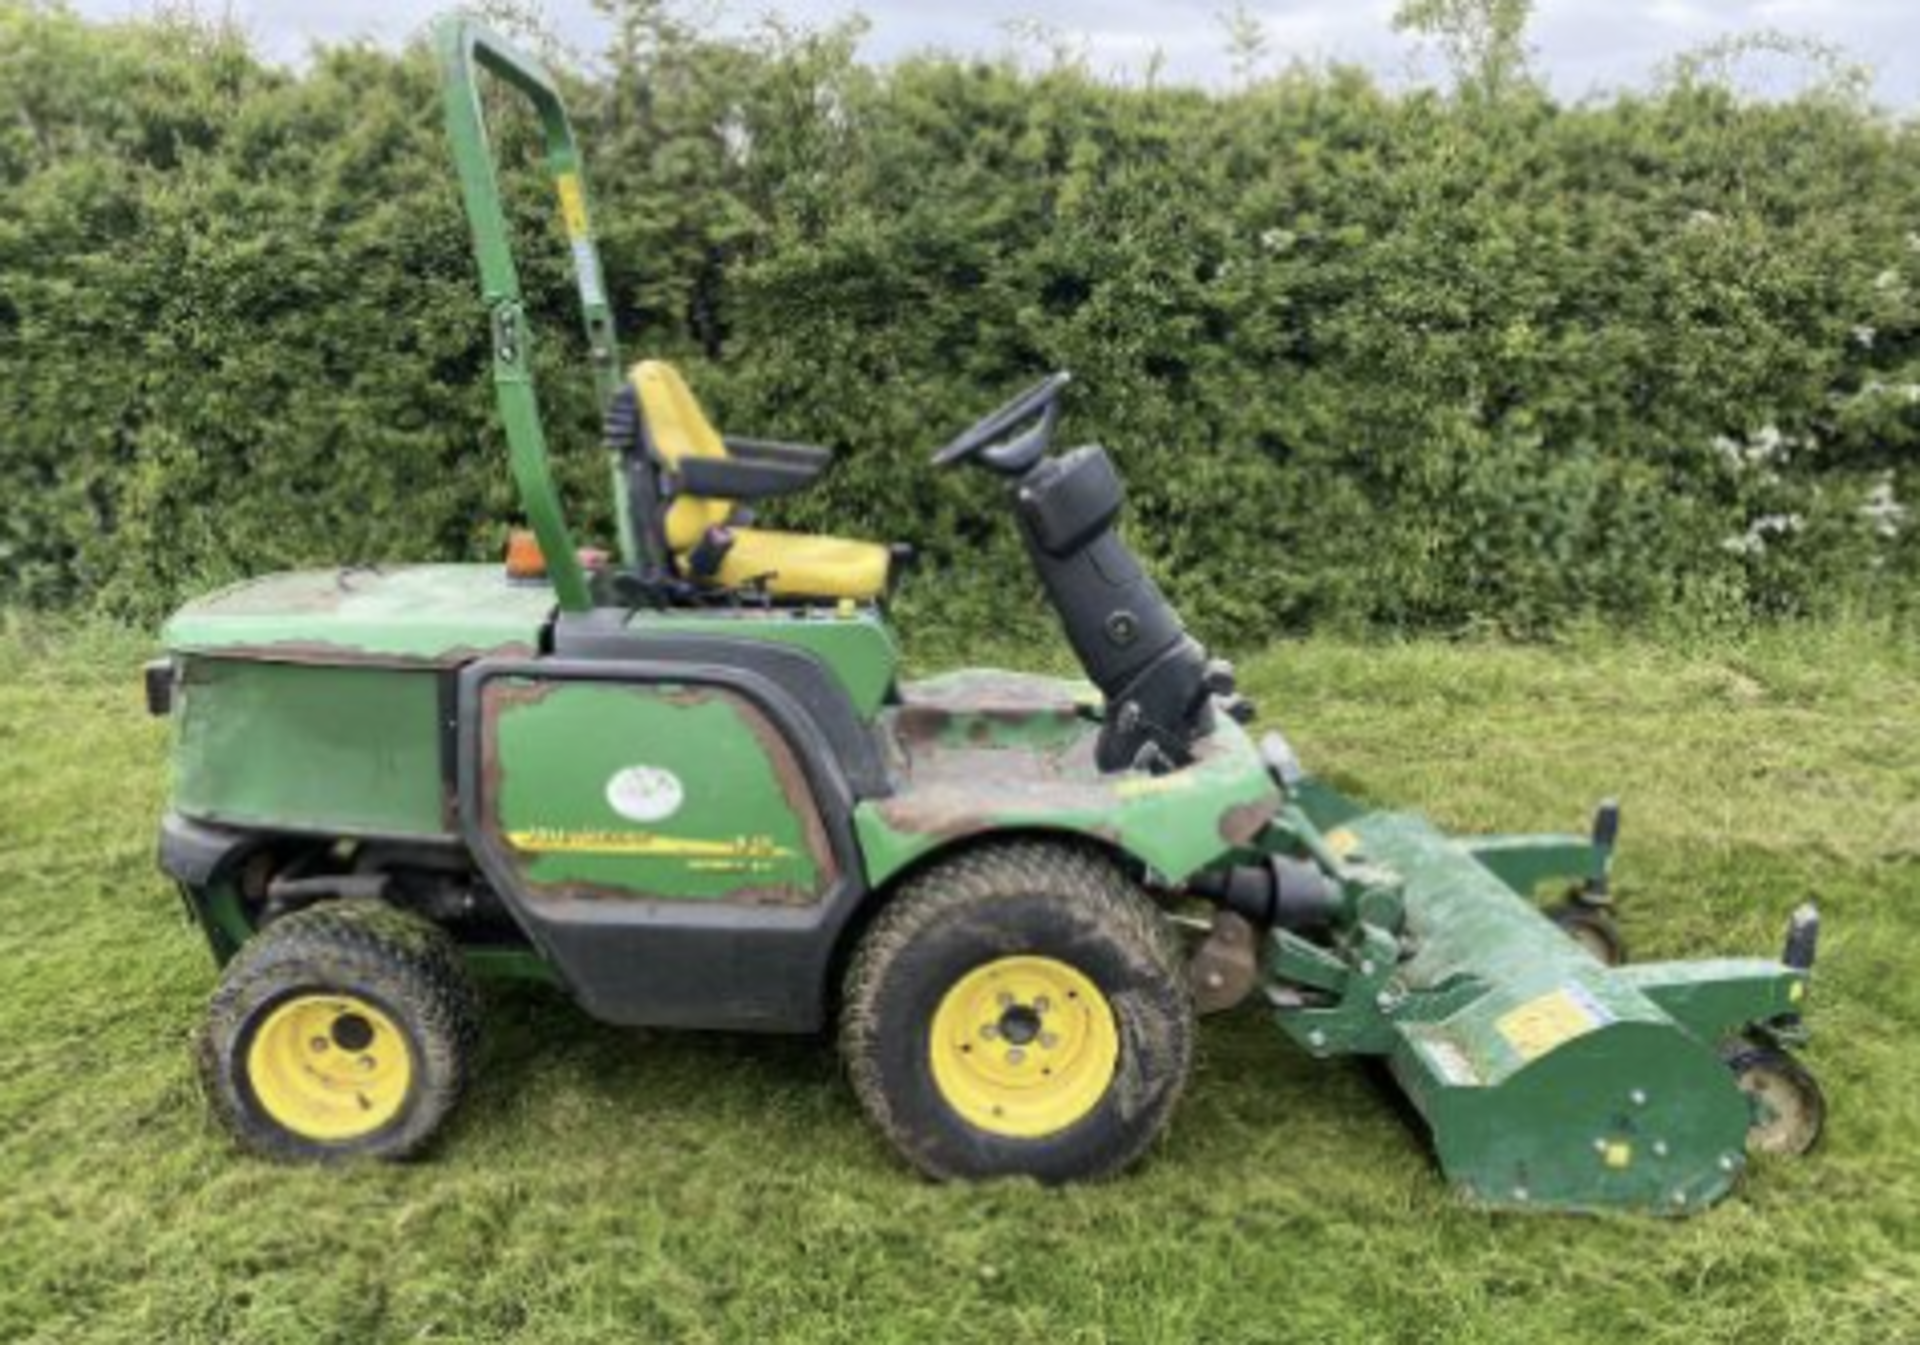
x=465 y=47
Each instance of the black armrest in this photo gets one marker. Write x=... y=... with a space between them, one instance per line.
x=739 y=478
x=773 y=450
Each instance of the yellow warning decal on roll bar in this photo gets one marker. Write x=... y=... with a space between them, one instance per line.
x=573 y=204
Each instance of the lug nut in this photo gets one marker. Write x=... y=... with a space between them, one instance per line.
x=1016 y=1056
x=1048 y=1041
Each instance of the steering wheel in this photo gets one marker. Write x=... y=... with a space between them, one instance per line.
x=994 y=443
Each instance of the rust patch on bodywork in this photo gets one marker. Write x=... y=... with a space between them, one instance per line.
x=1242 y=823
x=501 y=698
x=797 y=791
x=960 y=790
x=497 y=698
x=1038 y=768
x=984 y=709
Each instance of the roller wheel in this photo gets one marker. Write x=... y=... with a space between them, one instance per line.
x=1594 y=930
x=346 y=1030
x=1019 y=1010
x=1789 y=1110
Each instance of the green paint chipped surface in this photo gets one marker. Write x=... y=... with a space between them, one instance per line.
x=978 y=753
x=442 y=614
x=655 y=791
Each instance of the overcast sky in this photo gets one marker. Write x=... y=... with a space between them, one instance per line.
x=1583 y=45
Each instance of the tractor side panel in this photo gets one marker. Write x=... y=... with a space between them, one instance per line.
x=673 y=835
x=647 y=792
x=327 y=749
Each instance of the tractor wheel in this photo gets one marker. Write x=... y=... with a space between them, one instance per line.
x=346 y=1030
x=1594 y=930
x=1789 y=1110
x=1022 y=1009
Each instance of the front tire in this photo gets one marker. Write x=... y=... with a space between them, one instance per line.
x=1021 y=1009
x=346 y=1030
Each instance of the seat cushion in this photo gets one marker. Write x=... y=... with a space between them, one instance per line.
x=795 y=565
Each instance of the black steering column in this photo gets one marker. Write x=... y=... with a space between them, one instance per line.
x=1159 y=684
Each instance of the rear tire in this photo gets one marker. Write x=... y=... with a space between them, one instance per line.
x=1020 y=1010
x=346 y=1030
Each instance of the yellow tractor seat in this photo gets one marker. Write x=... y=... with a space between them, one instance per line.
x=794 y=564
x=697 y=514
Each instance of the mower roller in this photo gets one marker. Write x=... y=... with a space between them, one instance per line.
x=685 y=783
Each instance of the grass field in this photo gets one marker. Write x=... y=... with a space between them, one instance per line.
x=610 y=1185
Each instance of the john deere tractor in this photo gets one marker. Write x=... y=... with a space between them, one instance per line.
x=686 y=784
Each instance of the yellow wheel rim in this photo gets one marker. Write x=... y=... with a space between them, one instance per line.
x=1024 y=1046
x=330 y=1067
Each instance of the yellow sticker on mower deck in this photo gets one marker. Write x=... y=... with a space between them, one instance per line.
x=1551 y=1021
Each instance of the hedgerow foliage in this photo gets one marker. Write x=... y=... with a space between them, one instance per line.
x=1421 y=358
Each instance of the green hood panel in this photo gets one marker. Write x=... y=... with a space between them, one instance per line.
x=386 y=615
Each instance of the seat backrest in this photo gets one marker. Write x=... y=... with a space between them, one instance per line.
x=677 y=428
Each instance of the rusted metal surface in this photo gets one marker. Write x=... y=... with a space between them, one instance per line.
x=368 y=616
x=1242 y=823
x=983 y=709
x=797 y=790
x=1225 y=967
x=977 y=753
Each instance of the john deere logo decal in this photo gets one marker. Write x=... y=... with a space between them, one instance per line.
x=645 y=794
x=648 y=845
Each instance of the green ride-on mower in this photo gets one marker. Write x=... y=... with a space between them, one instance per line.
x=686 y=784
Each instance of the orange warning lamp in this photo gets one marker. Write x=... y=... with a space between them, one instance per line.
x=524 y=560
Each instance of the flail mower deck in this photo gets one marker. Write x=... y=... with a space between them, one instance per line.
x=687 y=784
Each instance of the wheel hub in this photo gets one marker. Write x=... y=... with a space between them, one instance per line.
x=330 y=1067
x=1024 y=1046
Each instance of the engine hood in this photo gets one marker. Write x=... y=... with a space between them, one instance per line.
x=437 y=615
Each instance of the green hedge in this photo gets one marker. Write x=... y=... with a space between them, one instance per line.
x=1366 y=357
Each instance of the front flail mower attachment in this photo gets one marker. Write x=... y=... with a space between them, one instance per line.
x=1549 y=1079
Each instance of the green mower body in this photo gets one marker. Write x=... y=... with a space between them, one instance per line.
x=681 y=815
x=692 y=799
